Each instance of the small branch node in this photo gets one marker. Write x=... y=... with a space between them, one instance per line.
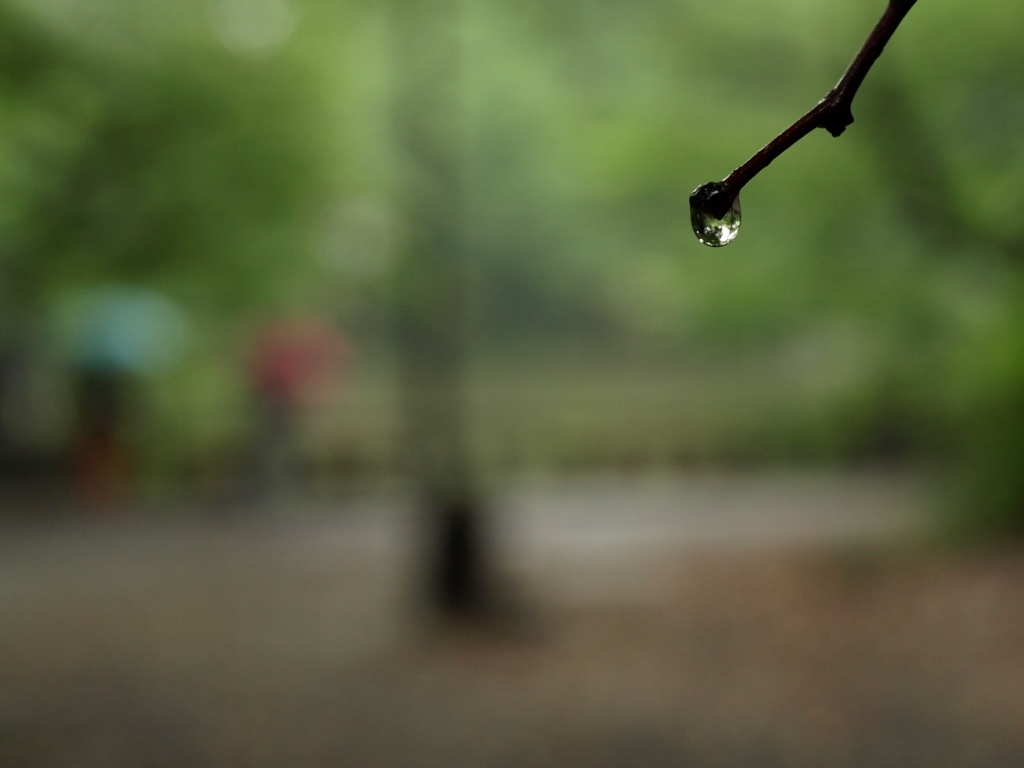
x=837 y=119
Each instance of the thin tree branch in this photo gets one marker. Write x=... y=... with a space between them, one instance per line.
x=833 y=113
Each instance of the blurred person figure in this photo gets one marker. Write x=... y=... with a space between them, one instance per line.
x=114 y=337
x=296 y=363
x=101 y=459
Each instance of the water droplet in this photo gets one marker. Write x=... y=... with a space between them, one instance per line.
x=709 y=229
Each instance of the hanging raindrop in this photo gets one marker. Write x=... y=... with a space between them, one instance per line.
x=709 y=229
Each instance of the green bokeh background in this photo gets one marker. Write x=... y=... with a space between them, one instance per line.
x=870 y=310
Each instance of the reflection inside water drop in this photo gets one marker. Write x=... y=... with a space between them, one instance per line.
x=708 y=229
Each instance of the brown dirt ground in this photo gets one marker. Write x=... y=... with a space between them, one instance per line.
x=748 y=657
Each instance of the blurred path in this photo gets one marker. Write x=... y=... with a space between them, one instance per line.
x=602 y=539
x=566 y=532
x=729 y=620
x=334 y=581
x=191 y=588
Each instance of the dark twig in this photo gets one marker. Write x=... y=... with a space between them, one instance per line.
x=833 y=113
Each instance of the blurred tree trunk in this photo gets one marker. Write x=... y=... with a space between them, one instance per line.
x=432 y=294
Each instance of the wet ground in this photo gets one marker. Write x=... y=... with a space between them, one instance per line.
x=719 y=620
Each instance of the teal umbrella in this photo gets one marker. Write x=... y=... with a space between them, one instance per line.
x=121 y=328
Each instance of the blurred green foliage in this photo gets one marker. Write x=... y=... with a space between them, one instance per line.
x=871 y=306
x=161 y=161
